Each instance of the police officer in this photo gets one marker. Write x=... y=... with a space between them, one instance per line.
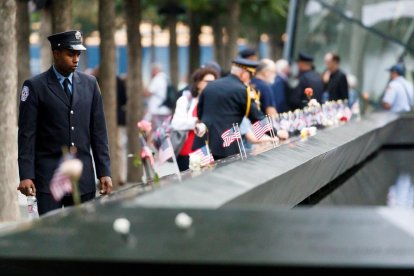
x=308 y=77
x=399 y=96
x=224 y=102
x=62 y=108
x=248 y=53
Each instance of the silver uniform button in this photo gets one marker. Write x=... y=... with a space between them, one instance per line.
x=71 y=112
x=73 y=128
x=73 y=144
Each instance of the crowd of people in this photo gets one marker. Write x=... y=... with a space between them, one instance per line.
x=256 y=88
x=251 y=91
x=63 y=107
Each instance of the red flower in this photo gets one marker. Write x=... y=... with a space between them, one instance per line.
x=343 y=119
x=309 y=92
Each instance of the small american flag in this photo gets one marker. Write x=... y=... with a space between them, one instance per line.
x=229 y=136
x=60 y=184
x=166 y=151
x=206 y=156
x=261 y=127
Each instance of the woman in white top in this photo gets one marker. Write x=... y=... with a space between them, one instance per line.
x=185 y=116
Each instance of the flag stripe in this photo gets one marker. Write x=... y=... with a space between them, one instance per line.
x=229 y=136
x=60 y=185
x=205 y=157
x=261 y=127
x=166 y=152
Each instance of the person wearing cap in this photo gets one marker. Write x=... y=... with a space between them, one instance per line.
x=224 y=102
x=308 y=78
x=399 y=95
x=62 y=108
x=248 y=53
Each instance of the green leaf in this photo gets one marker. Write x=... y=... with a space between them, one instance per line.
x=156 y=178
x=137 y=161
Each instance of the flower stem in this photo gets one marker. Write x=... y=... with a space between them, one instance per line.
x=75 y=192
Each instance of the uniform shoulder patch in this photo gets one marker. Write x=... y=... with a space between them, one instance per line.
x=24 y=94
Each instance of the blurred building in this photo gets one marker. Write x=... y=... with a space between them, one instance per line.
x=369 y=35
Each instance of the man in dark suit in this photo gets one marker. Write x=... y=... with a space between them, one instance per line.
x=62 y=108
x=224 y=102
x=336 y=83
x=280 y=87
x=308 y=77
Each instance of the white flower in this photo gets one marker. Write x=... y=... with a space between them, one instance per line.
x=183 y=221
x=121 y=226
x=312 y=131
x=314 y=103
x=195 y=162
x=72 y=168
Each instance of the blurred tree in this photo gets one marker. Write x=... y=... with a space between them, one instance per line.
x=61 y=15
x=150 y=13
x=171 y=9
x=107 y=80
x=232 y=27
x=194 y=21
x=276 y=28
x=134 y=82
x=215 y=14
x=44 y=31
x=9 y=209
x=264 y=17
x=56 y=16
x=23 y=43
x=218 y=33
x=85 y=16
x=198 y=13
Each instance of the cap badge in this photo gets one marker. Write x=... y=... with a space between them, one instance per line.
x=78 y=35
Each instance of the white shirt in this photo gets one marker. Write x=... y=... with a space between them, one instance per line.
x=158 y=88
x=183 y=118
x=399 y=95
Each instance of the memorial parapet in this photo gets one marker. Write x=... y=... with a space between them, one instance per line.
x=235 y=217
x=288 y=174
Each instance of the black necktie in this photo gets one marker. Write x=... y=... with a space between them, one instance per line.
x=66 y=83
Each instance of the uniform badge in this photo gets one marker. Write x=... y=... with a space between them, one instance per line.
x=78 y=35
x=25 y=93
